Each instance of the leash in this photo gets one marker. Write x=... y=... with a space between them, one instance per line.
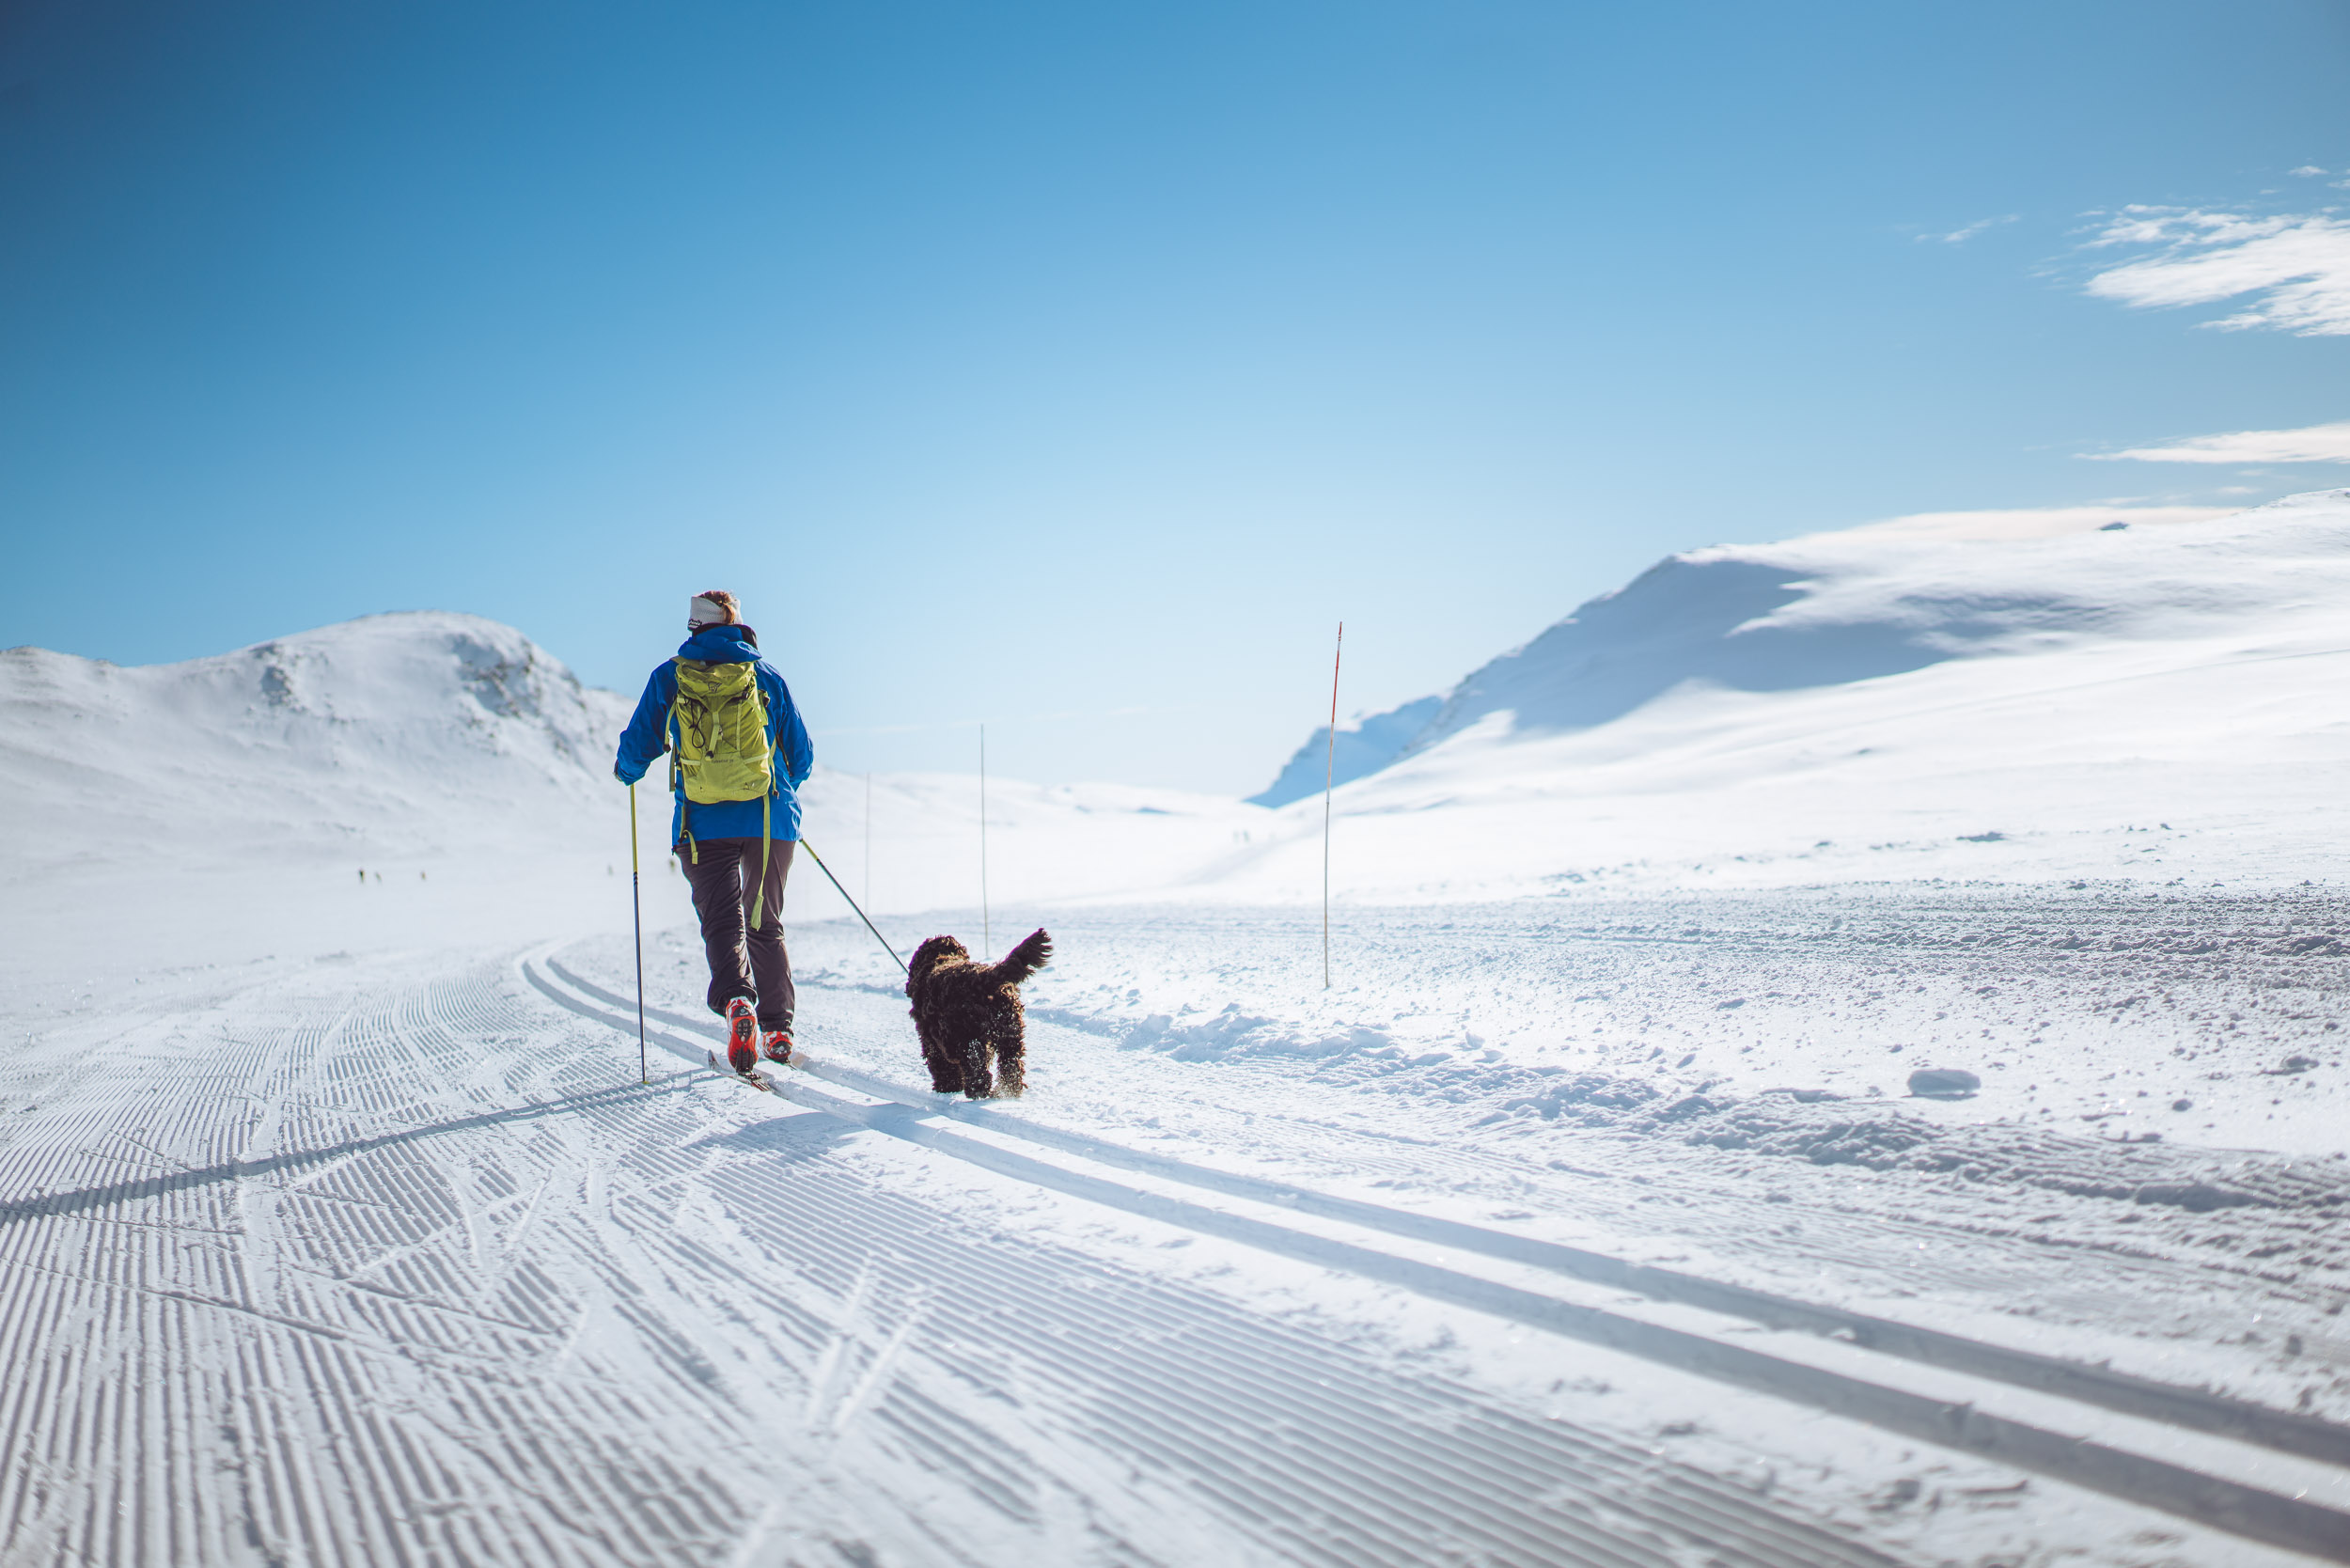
x=852 y=904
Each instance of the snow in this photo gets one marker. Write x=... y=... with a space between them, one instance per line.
x=1365 y=745
x=412 y=735
x=2165 y=704
x=366 y=1225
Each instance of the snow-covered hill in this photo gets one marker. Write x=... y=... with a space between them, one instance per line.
x=1863 y=604
x=449 y=744
x=1877 y=704
x=410 y=735
x=1364 y=745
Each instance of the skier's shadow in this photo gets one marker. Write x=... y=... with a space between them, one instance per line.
x=156 y=1183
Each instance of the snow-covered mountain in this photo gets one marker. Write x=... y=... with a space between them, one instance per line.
x=409 y=734
x=426 y=738
x=1364 y=745
x=1879 y=702
x=1831 y=609
x=1834 y=609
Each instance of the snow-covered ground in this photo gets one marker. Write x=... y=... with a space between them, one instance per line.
x=1586 y=1217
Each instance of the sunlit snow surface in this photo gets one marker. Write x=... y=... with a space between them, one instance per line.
x=337 y=1227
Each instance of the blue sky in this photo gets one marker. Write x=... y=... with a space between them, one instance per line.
x=1076 y=367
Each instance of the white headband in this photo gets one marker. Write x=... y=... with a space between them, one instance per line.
x=705 y=612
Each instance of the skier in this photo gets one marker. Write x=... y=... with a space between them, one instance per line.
x=738 y=757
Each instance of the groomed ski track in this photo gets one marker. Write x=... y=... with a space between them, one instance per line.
x=392 y=1270
x=356 y=1284
x=2051 y=1435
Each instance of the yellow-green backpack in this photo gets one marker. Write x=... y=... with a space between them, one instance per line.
x=718 y=722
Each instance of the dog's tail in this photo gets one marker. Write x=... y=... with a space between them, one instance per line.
x=1034 y=952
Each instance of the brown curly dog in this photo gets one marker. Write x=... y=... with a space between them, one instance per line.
x=966 y=1012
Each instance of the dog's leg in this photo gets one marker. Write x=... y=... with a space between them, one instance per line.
x=975 y=1076
x=1011 y=1062
x=946 y=1069
x=945 y=1074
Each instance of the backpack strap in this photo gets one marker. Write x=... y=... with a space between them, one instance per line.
x=676 y=736
x=766 y=842
x=766 y=827
x=677 y=769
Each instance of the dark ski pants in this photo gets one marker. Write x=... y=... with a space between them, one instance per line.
x=743 y=963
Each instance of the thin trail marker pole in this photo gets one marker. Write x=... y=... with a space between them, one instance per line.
x=851 y=902
x=1329 y=777
x=869 y=837
x=986 y=945
x=637 y=911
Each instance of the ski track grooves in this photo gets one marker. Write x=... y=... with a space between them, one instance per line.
x=2222 y=1503
x=2188 y=1407
x=319 y=1291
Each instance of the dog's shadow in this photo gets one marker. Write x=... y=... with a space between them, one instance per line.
x=792 y=1139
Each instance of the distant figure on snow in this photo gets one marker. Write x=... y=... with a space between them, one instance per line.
x=738 y=755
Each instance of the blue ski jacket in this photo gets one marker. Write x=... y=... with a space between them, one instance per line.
x=650 y=734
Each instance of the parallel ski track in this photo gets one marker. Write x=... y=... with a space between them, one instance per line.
x=1996 y=1262
x=2223 y=1504
x=1944 y=1256
x=244 y=1310
x=323 y=1292
x=2192 y=1408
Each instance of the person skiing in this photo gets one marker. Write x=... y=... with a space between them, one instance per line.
x=738 y=757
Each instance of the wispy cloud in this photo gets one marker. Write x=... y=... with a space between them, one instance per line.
x=1960 y=236
x=2296 y=267
x=2310 y=443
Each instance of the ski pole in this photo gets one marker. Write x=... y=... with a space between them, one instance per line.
x=636 y=911
x=852 y=904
